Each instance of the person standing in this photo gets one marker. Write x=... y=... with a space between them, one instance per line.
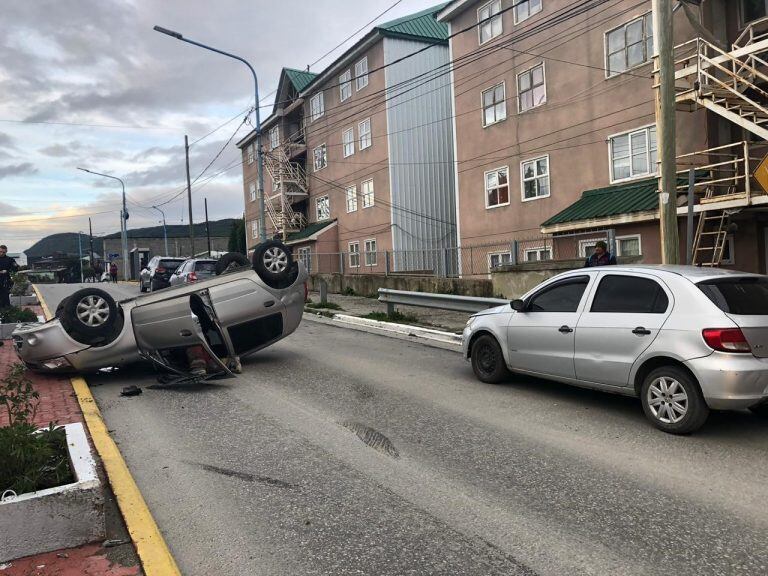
x=601 y=256
x=8 y=268
x=113 y=272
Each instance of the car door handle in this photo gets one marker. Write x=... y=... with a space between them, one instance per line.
x=185 y=333
x=565 y=329
x=640 y=331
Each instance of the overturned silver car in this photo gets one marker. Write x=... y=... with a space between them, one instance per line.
x=244 y=308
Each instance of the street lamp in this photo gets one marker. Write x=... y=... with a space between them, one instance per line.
x=260 y=156
x=123 y=221
x=165 y=234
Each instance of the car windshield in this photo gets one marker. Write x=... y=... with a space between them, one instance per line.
x=747 y=295
x=170 y=265
x=209 y=267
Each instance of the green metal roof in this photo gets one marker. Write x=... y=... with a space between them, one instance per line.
x=419 y=25
x=638 y=196
x=313 y=228
x=299 y=78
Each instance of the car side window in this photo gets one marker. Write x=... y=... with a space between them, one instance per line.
x=629 y=295
x=563 y=297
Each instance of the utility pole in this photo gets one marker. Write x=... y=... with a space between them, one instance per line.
x=165 y=231
x=207 y=228
x=80 y=252
x=663 y=39
x=90 y=237
x=189 y=200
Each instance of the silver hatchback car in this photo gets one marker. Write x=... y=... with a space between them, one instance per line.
x=683 y=339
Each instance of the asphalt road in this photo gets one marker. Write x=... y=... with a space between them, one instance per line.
x=340 y=452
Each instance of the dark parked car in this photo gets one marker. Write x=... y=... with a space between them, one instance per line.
x=157 y=274
x=193 y=270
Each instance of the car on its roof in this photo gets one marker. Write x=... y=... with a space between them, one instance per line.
x=244 y=308
x=683 y=339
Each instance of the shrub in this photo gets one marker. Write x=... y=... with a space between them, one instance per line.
x=14 y=315
x=18 y=397
x=21 y=284
x=326 y=305
x=349 y=291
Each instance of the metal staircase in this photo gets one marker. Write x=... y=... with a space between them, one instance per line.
x=291 y=182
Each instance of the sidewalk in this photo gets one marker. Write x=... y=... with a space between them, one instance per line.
x=427 y=317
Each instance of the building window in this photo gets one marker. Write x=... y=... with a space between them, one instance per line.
x=351 y=198
x=354 y=254
x=538 y=254
x=497 y=187
x=524 y=9
x=323 y=208
x=729 y=253
x=345 y=85
x=753 y=10
x=274 y=138
x=531 y=88
x=494 y=104
x=366 y=189
x=255 y=229
x=633 y=154
x=535 y=178
x=252 y=190
x=317 y=106
x=629 y=45
x=587 y=247
x=628 y=246
x=319 y=157
x=497 y=259
x=361 y=73
x=348 y=142
x=250 y=154
x=370 y=253
x=305 y=257
x=364 y=130
x=489 y=21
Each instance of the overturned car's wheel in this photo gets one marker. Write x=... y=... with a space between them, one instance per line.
x=60 y=308
x=272 y=261
x=89 y=316
x=230 y=261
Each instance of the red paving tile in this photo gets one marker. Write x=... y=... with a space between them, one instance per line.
x=90 y=560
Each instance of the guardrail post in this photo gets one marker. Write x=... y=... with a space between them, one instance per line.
x=387 y=264
x=390 y=309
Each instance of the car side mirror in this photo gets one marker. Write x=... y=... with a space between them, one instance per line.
x=518 y=305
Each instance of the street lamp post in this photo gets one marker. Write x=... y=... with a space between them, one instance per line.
x=80 y=252
x=165 y=234
x=260 y=155
x=123 y=223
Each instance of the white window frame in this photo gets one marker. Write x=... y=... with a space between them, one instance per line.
x=274 y=137
x=629 y=133
x=304 y=255
x=348 y=142
x=354 y=251
x=374 y=261
x=316 y=106
x=369 y=198
x=485 y=187
x=519 y=3
x=493 y=19
x=345 y=86
x=252 y=191
x=319 y=217
x=731 y=242
x=535 y=177
x=351 y=198
x=251 y=154
x=649 y=57
x=584 y=244
x=503 y=85
x=501 y=259
x=544 y=84
x=361 y=73
x=324 y=148
x=637 y=237
x=368 y=141
x=255 y=229
x=538 y=250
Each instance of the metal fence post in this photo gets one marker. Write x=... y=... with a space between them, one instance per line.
x=341 y=262
x=387 y=265
x=611 y=241
x=471 y=262
x=515 y=251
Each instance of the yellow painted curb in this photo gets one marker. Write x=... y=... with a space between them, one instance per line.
x=156 y=558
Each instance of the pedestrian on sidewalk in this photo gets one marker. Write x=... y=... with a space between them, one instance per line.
x=601 y=256
x=113 y=272
x=8 y=268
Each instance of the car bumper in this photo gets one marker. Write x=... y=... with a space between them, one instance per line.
x=466 y=336
x=731 y=381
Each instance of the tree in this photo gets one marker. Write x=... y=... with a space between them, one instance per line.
x=237 y=237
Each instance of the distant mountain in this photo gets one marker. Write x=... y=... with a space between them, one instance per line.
x=219 y=228
x=64 y=243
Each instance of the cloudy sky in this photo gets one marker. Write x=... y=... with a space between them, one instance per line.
x=89 y=83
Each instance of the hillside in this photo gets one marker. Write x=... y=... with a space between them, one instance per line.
x=65 y=242
x=220 y=228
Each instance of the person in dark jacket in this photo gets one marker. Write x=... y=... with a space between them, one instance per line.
x=601 y=256
x=113 y=272
x=8 y=268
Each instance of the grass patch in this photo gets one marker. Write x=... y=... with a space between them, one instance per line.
x=397 y=317
x=324 y=305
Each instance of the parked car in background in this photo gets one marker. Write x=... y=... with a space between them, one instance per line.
x=157 y=274
x=193 y=270
x=683 y=339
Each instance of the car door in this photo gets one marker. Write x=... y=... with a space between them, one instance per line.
x=624 y=316
x=541 y=336
x=145 y=272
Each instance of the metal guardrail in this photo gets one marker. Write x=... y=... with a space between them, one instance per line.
x=440 y=301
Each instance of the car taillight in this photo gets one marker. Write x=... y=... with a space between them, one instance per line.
x=306 y=291
x=159 y=269
x=191 y=277
x=726 y=340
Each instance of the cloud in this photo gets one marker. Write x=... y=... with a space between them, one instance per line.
x=61 y=150
x=9 y=209
x=17 y=170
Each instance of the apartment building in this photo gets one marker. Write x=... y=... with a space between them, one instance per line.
x=360 y=156
x=553 y=113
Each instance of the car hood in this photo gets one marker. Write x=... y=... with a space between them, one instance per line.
x=495 y=310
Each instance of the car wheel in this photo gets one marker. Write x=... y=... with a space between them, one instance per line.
x=230 y=261
x=60 y=308
x=89 y=316
x=672 y=400
x=760 y=410
x=488 y=360
x=272 y=261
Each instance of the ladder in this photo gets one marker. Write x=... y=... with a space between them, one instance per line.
x=710 y=239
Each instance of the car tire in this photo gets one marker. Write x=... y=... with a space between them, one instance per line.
x=488 y=361
x=90 y=316
x=760 y=410
x=230 y=260
x=672 y=400
x=273 y=262
x=60 y=308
